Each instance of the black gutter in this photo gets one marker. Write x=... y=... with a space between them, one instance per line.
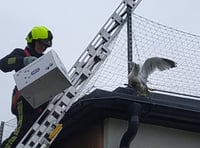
x=133 y=125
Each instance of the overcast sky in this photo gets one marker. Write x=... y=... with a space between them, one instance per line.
x=74 y=24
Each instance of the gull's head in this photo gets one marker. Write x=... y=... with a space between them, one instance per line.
x=134 y=66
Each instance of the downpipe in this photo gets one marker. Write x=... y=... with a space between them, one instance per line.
x=133 y=125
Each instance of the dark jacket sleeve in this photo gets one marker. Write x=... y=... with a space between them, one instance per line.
x=13 y=61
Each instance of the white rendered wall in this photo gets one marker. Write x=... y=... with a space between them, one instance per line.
x=149 y=136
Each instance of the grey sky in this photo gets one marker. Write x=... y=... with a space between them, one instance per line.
x=74 y=24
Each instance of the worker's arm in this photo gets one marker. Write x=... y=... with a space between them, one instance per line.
x=13 y=61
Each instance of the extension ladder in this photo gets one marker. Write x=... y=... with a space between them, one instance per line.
x=46 y=128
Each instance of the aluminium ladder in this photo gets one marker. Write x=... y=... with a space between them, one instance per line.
x=46 y=128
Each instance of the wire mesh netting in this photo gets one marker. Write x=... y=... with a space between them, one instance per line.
x=9 y=127
x=152 y=39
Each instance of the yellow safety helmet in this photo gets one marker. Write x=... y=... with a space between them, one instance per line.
x=40 y=33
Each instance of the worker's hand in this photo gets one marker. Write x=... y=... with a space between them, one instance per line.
x=28 y=60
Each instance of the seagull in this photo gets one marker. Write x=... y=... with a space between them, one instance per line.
x=138 y=76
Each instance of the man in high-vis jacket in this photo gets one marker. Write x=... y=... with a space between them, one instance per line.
x=38 y=40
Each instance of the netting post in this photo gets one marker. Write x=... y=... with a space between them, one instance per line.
x=1 y=131
x=129 y=36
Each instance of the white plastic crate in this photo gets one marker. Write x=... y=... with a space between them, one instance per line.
x=42 y=79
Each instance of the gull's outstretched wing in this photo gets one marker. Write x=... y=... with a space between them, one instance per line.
x=151 y=64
